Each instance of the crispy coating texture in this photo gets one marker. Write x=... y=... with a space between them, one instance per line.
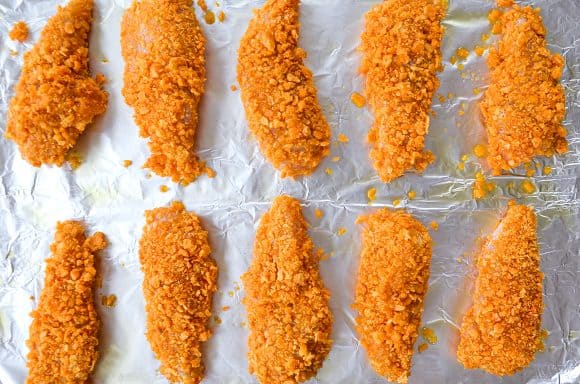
x=56 y=98
x=164 y=51
x=286 y=301
x=180 y=278
x=278 y=92
x=19 y=32
x=523 y=107
x=63 y=339
x=401 y=47
x=501 y=332
x=391 y=286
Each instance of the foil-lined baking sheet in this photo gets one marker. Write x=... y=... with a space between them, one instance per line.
x=112 y=198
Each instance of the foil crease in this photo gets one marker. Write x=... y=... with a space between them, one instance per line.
x=112 y=198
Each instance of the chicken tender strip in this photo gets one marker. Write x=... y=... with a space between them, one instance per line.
x=56 y=98
x=180 y=278
x=278 y=92
x=501 y=331
x=163 y=47
x=391 y=286
x=63 y=339
x=523 y=107
x=286 y=301
x=401 y=47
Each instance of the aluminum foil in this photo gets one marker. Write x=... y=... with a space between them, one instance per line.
x=111 y=198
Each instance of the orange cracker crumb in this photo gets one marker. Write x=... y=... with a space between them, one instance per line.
x=391 y=286
x=400 y=66
x=547 y=170
x=202 y=5
x=328 y=171
x=530 y=172
x=341 y=231
x=108 y=301
x=179 y=281
x=372 y=194
x=422 y=347
x=56 y=99
x=210 y=172
x=434 y=225
x=225 y=308
x=19 y=32
x=217 y=320
x=494 y=15
x=523 y=107
x=286 y=302
x=481 y=187
x=233 y=88
x=479 y=51
x=278 y=91
x=411 y=194
x=319 y=213
x=164 y=51
x=64 y=334
x=164 y=188
x=74 y=159
x=461 y=166
x=221 y=16
x=528 y=187
x=127 y=163
x=429 y=335
x=462 y=53
x=501 y=332
x=358 y=100
x=209 y=17
x=343 y=138
x=336 y=159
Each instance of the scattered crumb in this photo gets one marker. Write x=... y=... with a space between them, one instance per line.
x=481 y=188
x=547 y=170
x=209 y=17
x=441 y=99
x=328 y=171
x=109 y=301
x=423 y=347
x=358 y=100
x=453 y=60
x=462 y=53
x=460 y=67
x=464 y=157
x=225 y=308
x=411 y=194
x=323 y=256
x=434 y=225
x=74 y=159
x=429 y=335
x=127 y=163
x=217 y=320
x=336 y=159
x=13 y=52
x=530 y=172
x=476 y=91
x=485 y=37
x=396 y=202
x=233 y=88
x=209 y=172
x=341 y=231
x=318 y=213
x=221 y=16
x=343 y=138
x=19 y=32
x=479 y=51
x=450 y=95
x=164 y=188
x=372 y=194
x=480 y=150
x=528 y=187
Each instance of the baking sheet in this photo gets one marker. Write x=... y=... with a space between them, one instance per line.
x=111 y=198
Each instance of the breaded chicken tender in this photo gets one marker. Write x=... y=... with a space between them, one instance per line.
x=391 y=286
x=501 y=331
x=64 y=334
x=286 y=301
x=278 y=92
x=180 y=278
x=523 y=107
x=164 y=51
x=401 y=47
x=56 y=97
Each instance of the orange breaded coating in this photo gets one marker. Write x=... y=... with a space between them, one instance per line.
x=286 y=301
x=56 y=97
x=180 y=278
x=19 y=32
x=391 y=286
x=64 y=334
x=401 y=47
x=164 y=51
x=278 y=92
x=501 y=331
x=523 y=107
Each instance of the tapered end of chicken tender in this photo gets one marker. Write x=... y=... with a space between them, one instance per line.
x=278 y=92
x=391 y=286
x=501 y=331
x=401 y=54
x=164 y=51
x=63 y=339
x=179 y=281
x=524 y=105
x=55 y=97
x=286 y=302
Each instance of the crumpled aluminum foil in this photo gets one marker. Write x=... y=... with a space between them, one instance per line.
x=111 y=198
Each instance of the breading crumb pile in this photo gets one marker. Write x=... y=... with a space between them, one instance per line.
x=401 y=47
x=278 y=92
x=163 y=47
x=523 y=107
x=391 y=286
x=501 y=331
x=55 y=97
x=180 y=278
x=287 y=304
x=63 y=339
x=19 y=32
